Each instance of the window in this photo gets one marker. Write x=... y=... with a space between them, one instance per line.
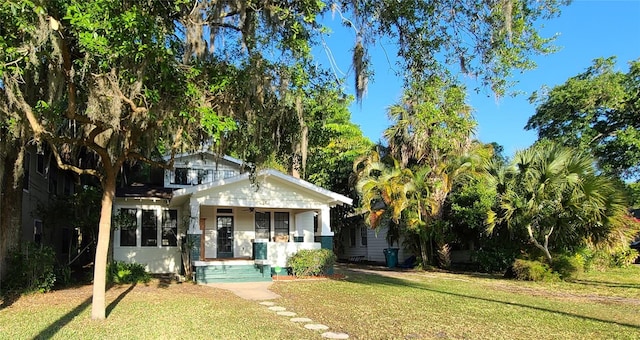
x=169 y=228
x=363 y=235
x=26 y=162
x=40 y=164
x=149 y=228
x=181 y=176
x=315 y=222
x=128 y=224
x=225 y=211
x=263 y=224
x=281 y=223
x=352 y=237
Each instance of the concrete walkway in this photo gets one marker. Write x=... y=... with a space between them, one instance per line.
x=248 y=290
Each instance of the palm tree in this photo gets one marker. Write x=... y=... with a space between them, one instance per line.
x=555 y=194
x=385 y=190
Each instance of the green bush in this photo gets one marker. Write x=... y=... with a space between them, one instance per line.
x=123 y=272
x=493 y=260
x=603 y=259
x=568 y=267
x=624 y=257
x=30 y=268
x=312 y=262
x=526 y=270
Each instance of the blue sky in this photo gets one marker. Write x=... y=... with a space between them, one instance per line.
x=587 y=30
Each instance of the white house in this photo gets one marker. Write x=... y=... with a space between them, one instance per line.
x=236 y=225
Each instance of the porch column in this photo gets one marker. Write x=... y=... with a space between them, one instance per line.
x=326 y=235
x=304 y=226
x=194 y=234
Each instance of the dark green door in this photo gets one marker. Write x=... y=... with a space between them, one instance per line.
x=225 y=236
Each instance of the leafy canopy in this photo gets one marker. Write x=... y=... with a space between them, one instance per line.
x=597 y=110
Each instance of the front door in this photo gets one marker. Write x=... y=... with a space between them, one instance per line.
x=225 y=236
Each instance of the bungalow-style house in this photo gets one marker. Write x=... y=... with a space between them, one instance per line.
x=236 y=225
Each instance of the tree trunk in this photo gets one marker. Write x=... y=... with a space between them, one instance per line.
x=545 y=247
x=104 y=234
x=10 y=207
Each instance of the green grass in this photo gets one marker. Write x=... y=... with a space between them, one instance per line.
x=184 y=311
x=440 y=305
x=421 y=305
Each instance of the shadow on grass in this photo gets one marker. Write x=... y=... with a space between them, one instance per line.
x=115 y=302
x=392 y=281
x=8 y=299
x=606 y=284
x=53 y=328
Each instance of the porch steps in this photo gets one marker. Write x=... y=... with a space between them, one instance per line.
x=219 y=273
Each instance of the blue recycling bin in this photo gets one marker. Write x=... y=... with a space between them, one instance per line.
x=391 y=257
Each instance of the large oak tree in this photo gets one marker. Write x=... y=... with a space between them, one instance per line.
x=107 y=82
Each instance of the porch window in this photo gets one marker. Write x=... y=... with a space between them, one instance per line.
x=128 y=226
x=263 y=224
x=149 y=228
x=169 y=228
x=363 y=236
x=281 y=223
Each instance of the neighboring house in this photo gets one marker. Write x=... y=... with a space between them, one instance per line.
x=358 y=242
x=43 y=181
x=235 y=225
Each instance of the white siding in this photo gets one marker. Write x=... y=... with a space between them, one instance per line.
x=158 y=259
x=304 y=225
x=243 y=233
x=378 y=243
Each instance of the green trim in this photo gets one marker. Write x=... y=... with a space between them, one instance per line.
x=233 y=273
x=194 y=239
x=326 y=242
x=298 y=239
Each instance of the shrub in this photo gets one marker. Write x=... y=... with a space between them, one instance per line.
x=312 y=262
x=123 y=272
x=532 y=271
x=624 y=257
x=30 y=268
x=492 y=260
x=568 y=267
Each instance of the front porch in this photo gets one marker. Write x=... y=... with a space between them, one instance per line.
x=247 y=228
x=267 y=258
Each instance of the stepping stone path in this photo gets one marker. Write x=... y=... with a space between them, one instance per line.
x=316 y=326
x=308 y=322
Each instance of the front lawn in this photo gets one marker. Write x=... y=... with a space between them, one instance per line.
x=442 y=305
x=154 y=311
x=365 y=305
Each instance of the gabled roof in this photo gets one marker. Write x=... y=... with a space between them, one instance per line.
x=334 y=197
